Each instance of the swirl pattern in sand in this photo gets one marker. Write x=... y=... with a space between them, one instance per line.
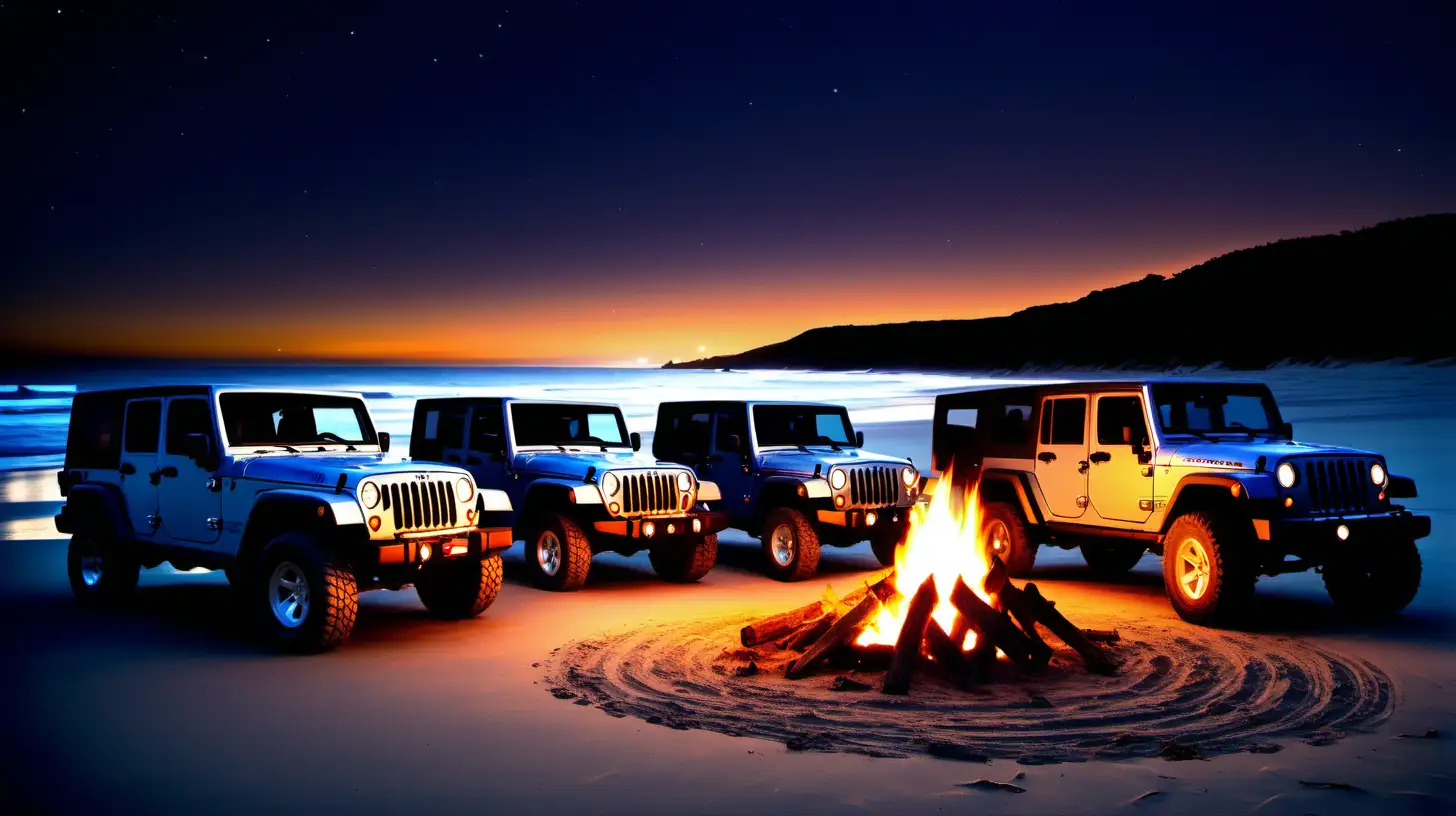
x=1182 y=695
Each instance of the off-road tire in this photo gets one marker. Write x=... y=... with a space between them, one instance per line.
x=100 y=570
x=803 y=546
x=333 y=603
x=1111 y=559
x=685 y=561
x=883 y=542
x=575 y=553
x=1377 y=583
x=462 y=589
x=1018 y=552
x=1231 y=568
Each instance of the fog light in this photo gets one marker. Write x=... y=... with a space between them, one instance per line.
x=648 y=528
x=697 y=525
x=1343 y=532
x=1288 y=501
x=838 y=501
x=871 y=518
x=424 y=552
x=374 y=523
x=671 y=529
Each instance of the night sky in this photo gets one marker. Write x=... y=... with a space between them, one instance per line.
x=624 y=183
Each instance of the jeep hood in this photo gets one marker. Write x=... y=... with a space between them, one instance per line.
x=1243 y=453
x=792 y=461
x=574 y=465
x=322 y=470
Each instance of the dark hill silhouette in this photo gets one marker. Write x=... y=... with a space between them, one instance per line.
x=1369 y=294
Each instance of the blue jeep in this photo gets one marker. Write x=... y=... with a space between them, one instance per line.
x=578 y=482
x=793 y=474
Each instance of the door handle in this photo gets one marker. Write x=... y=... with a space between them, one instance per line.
x=1082 y=466
x=1099 y=456
x=168 y=471
x=1046 y=456
x=127 y=468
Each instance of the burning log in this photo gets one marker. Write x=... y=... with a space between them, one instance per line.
x=1013 y=600
x=990 y=625
x=1046 y=613
x=812 y=632
x=841 y=632
x=786 y=623
x=946 y=651
x=912 y=634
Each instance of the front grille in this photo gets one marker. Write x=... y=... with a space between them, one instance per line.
x=420 y=505
x=648 y=493
x=874 y=486
x=1338 y=485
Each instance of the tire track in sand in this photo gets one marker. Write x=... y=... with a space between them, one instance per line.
x=1215 y=692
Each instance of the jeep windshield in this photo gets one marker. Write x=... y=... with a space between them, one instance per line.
x=1210 y=409
x=265 y=420
x=563 y=425
x=800 y=426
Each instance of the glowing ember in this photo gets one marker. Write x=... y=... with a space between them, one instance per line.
x=943 y=541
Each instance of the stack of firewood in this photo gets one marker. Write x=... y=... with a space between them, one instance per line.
x=824 y=632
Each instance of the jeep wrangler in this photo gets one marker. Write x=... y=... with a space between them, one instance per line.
x=580 y=484
x=794 y=475
x=1204 y=473
x=286 y=491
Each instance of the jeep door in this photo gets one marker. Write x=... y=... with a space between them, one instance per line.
x=1120 y=479
x=191 y=510
x=1061 y=455
x=484 y=425
x=728 y=462
x=141 y=433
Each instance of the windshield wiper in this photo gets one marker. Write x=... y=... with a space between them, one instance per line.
x=288 y=448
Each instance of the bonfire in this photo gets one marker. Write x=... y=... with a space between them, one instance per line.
x=947 y=604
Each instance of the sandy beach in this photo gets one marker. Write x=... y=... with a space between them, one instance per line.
x=166 y=705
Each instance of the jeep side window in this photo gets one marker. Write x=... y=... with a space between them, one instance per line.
x=690 y=434
x=487 y=430
x=184 y=417
x=964 y=417
x=730 y=424
x=1064 y=421
x=1116 y=413
x=143 y=426
x=1012 y=427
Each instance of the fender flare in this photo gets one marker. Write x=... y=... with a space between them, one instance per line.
x=552 y=491
x=1019 y=483
x=1257 y=486
x=90 y=502
x=813 y=488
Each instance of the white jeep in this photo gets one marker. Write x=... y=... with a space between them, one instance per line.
x=287 y=491
x=1204 y=472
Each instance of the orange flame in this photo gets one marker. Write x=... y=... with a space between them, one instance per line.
x=943 y=540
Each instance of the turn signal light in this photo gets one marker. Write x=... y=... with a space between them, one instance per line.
x=1288 y=501
x=374 y=523
x=1234 y=489
x=697 y=525
x=614 y=508
x=457 y=548
x=838 y=501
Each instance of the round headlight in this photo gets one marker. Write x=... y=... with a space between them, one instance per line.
x=368 y=495
x=908 y=476
x=464 y=489
x=610 y=483
x=1377 y=473
x=684 y=481
x=1286 y=474
x=837 y=478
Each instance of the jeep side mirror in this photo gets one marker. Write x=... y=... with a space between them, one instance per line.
x=383 y=442
x=859 y=439
x=636 y=440
x=200 y=450
x=1286 y=430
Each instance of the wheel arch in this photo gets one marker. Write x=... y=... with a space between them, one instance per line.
x=1011 y=487
x=102 y=506
x=1205 y=492
x=781 y=491
x=279 y=511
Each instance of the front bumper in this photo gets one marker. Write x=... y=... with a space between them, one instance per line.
x=708 y=522
x=859 y=519
x=477 y=544
x=1323 y=533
